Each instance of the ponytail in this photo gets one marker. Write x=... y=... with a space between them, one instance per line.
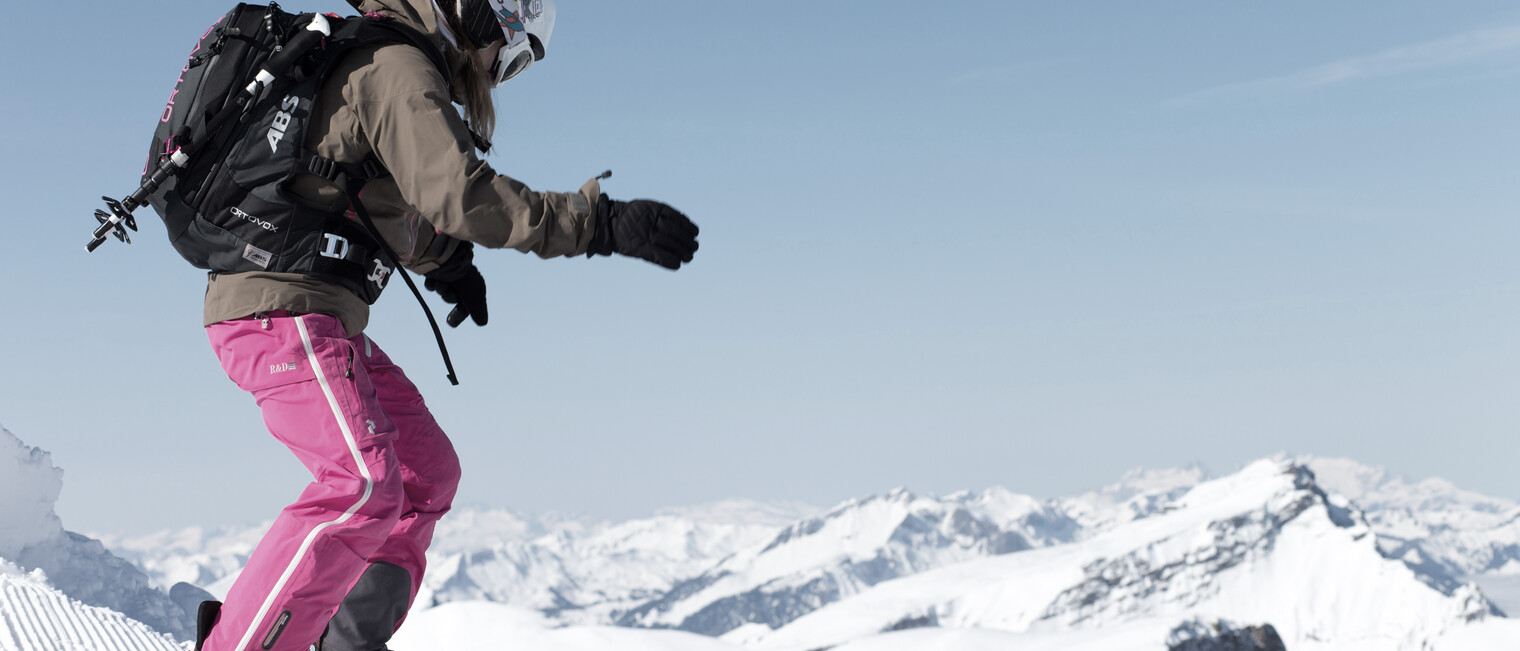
x=472 y=83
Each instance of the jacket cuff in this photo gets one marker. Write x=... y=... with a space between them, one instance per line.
x=585 y=202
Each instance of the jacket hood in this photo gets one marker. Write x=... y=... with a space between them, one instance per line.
x=421 y=15
x=417 y=14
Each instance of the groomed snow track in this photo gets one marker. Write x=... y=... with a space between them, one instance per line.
x=35 y=617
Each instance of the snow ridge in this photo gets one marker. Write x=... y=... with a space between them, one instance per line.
x=36 y=617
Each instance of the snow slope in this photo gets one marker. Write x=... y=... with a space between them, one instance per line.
x=1142 y=636
x=486 y=626
x=36 y=617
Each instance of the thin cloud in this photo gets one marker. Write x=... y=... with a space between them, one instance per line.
x=1446 y=52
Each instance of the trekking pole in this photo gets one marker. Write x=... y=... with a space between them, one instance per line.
x=119 y=219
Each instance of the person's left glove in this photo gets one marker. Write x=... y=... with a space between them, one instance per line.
x=460 y=283
x=644 y=229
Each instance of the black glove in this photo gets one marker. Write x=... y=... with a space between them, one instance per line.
x=459 y=282
x=644 y=229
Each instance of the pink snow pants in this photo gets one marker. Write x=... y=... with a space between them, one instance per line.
x=383 y=474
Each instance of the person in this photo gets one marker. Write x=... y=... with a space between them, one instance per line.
x=339 y=568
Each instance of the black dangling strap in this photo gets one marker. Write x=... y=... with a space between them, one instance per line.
x=480 y=141
x=351 y=190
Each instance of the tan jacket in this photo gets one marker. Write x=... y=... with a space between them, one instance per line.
x=392 y=102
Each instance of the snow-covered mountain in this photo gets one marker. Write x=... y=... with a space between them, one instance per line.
x=756 y=574
x=1266 y=544
x=862 y=543
x=33 y=538
x=1327 y=553
x=846 y=551
x=712 y=568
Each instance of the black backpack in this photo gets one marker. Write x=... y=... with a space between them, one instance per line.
x=231 y=139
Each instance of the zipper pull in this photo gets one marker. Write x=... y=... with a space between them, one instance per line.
x=349 y=374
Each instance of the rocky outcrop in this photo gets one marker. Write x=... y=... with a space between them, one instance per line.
x=1222 y=635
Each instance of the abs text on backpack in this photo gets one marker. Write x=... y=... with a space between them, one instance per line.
x=228 y=210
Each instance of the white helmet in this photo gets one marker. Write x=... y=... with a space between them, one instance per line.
x=526 y=25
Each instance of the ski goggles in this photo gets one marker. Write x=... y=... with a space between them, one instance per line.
x=510 y=63
x=525 y=24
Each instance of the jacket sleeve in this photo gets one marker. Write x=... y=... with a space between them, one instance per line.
x=402 y=105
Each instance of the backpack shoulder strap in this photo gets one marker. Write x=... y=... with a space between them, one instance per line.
x=363 y=30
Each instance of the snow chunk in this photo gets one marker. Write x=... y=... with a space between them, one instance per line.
x=29 y=486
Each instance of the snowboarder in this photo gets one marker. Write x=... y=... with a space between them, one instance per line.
x=341 y=566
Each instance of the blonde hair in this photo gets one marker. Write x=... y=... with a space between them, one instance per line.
x=472 y=83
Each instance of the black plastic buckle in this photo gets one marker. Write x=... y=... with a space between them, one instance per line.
x=373 y=169
x=323 y=167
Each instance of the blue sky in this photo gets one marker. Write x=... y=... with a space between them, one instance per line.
x=943 y=247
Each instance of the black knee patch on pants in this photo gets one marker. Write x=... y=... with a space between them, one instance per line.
x=368 y=615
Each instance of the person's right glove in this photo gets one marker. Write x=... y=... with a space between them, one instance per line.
x=644 y=229
x=460 y=283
